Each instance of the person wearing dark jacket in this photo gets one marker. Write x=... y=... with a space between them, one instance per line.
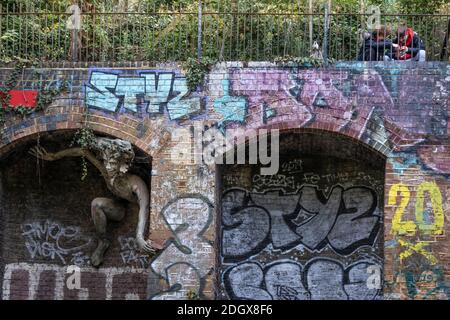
x=410 y=45
x=375 y=46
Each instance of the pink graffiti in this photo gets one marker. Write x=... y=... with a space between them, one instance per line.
x=294 y=96
x=268 y=88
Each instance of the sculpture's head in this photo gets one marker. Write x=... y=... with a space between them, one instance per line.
x=117 y=155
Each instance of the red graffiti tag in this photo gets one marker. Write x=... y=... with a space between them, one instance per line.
x=24 y=98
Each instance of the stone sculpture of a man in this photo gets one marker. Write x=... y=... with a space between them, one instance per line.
x=116 y=158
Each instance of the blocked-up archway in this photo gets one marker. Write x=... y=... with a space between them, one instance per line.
x=314 y=230
x=46 y=227
x=398 y=109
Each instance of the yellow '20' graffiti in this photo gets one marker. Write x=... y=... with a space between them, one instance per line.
x=409 y=227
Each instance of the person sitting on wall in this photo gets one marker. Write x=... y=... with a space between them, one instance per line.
x=375 y=45
x=410 y=46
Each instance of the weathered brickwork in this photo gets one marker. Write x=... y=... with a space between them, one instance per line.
x=369 y=140
x=313 y=231
x=46 y=222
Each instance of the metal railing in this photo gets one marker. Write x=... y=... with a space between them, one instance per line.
x=148 y=33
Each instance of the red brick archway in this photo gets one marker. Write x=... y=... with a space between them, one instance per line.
x=68 y=118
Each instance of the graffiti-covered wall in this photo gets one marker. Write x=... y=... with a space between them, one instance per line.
x=417 y=207
x=313 y=231
x=362 y=186
x=47 y=227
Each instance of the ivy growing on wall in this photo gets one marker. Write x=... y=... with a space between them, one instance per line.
x=196 y=71
x=303 y=62
x=44 y=97
x=84 y=137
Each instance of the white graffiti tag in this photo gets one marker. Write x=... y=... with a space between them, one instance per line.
x=129 y=252
x=188 y=255
x=53 y=241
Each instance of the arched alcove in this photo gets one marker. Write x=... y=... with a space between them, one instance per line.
x=313 y=230
x=46 y=226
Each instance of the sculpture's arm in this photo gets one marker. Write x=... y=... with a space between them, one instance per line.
x=41 y=153
x=140 y=189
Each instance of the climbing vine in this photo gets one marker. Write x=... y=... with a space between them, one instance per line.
x=196 y=71
x=305 y=62
x=44 y=97
x=84 y=137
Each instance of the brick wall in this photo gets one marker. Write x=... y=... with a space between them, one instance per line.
x=400 y=111
x=312 y=231
x=46 y=227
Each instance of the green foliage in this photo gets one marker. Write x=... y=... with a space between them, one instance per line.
x=166 y=30
x=305 y=62
x=84 y=137
x=193 y=295
x=412 y=6
x=196 y=71
x=22 y=110
x=44 y=97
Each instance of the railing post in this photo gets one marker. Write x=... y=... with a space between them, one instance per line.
x=1 y=26
x=362 y=11
x=74 y=23
x=325 y=36
x=74 y=45
x=444 y=51
x=199 y=35
x=310 y=11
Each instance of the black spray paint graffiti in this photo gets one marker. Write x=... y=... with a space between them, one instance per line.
x=320 y=278
x=345 y=220
x=53 y=241
x=186 y=260
x=129 y=252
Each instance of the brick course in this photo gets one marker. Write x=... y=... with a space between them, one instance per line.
x=399 y=111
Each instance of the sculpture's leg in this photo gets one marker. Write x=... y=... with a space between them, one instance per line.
x=102 y=210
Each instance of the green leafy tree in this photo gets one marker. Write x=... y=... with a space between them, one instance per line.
x=160 y=30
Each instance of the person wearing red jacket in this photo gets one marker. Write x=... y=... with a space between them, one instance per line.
x=410 y=45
